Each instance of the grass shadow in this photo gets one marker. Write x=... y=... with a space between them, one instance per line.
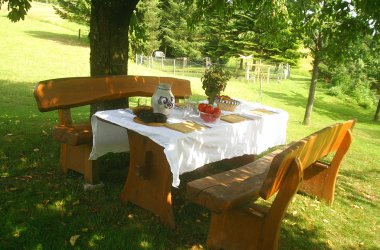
x=349 y=193
x=340 y=111
x=65 y=39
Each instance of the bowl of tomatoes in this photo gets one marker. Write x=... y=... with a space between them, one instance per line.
x=209 y=113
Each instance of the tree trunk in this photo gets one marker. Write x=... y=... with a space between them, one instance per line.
x=376 y=117
x=109 y=25
x=313 y=84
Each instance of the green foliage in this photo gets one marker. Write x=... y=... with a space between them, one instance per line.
x=214 y=81
x=76 y=11
x=345 y=82
x=144 y=29
x=178 y=40
x=356 y=76
x=17 y=8
x=251 y=30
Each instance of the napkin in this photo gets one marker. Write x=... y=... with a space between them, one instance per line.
x=233 y=118
x=185 y=127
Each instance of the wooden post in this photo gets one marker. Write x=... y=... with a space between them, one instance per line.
x=261 y=86
x=79 y=34
x=174 y=66
x=246 y=71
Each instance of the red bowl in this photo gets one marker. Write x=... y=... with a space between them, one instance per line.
x=206 y=117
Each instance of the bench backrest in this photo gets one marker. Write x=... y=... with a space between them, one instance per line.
x=67 y=93
x=336 y=138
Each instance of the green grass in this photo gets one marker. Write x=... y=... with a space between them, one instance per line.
x=41 y=208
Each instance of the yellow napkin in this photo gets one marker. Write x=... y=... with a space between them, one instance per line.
x=262 y=112
x=185 y=127
x=233 y=118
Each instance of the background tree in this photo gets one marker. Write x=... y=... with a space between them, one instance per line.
x=144 y=30
x=17 y=8
x=109 y=41
x=371 y=11
x=357 y=73
x=252 y=30
x=178 y=40
x=327 y=27
x=76 y=11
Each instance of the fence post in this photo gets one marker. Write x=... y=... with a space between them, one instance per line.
x=261 y=85
x=174 y=66
x=246 y=71
x=141 y=59
x=162 y=63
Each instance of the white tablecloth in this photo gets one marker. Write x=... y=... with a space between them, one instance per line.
x=187 y=152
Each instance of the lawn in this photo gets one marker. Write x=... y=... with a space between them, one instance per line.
x=41 y=208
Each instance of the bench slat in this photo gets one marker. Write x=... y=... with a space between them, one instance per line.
x=79 y=91
x=224 y=190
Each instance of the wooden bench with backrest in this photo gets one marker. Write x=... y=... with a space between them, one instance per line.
x=66 y=93
x=237 y=222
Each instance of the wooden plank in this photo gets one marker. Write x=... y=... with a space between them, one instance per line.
x=74 y=92
x=224 y=190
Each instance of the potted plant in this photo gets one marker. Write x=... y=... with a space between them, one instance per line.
x=214 y=81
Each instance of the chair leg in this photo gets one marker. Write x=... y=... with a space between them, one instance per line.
x=77 y=158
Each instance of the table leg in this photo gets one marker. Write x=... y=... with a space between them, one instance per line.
x=149 y=180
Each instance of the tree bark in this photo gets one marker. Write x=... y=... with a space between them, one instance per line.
x=313 y=84
x=109 y=26
x=376 y=117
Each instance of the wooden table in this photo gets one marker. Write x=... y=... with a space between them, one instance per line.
x=150 y=176
x=149 y=180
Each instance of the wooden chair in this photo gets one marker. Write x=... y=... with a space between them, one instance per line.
x=66 y=93
x=238 y=224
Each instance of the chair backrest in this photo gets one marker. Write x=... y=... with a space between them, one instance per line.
x=72 y=92
x=335 y=138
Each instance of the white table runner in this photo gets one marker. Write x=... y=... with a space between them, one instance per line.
x=187 y=152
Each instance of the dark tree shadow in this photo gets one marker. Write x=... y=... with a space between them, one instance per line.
x=72 y=40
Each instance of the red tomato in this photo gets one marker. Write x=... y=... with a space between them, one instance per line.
x=209 y=109
x=217 y=112
x=202 y=106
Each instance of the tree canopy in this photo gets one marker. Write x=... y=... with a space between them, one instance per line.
x=272 y=29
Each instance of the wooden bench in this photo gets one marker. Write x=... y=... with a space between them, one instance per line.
x=66 y=93
x=237 y=220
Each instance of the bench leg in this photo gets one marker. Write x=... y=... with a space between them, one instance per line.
x=319 y=180
x=149 y=180
x=77 y=158
x=235 y=229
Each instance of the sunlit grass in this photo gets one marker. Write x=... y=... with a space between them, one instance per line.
x=40 y=208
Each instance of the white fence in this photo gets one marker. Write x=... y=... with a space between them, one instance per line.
x=186 y=67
